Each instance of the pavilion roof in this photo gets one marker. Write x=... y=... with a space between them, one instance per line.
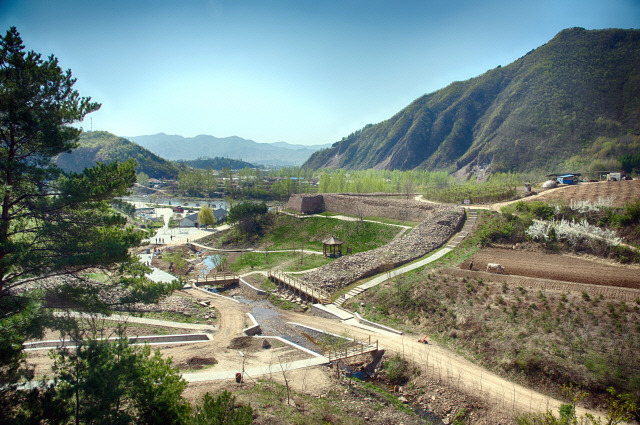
x=332 y=241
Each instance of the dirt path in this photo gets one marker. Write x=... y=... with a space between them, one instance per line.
x=447 y=366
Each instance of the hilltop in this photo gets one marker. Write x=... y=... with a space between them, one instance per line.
x=101 y=146
x=564 y=104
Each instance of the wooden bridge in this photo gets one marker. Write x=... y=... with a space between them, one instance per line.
x=299 y=288
x=217 y=279
x=349 y=348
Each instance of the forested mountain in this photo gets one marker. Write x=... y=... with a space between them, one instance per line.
x=101 y=146
x=186 y=148
x=564 y=104
x=217 y=163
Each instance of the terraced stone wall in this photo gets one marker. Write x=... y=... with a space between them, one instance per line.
x=378 y=206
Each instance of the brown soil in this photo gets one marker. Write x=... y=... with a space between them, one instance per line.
x=556 y=267
x=197 y=362
x=622 y=192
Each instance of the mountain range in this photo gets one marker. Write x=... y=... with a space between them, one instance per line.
x=175 y=147
x=568 y=102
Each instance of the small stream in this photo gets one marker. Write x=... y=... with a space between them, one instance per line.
x=211 y=262
x=269 y=318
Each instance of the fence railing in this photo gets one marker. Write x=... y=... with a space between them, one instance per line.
x=349 y=348
x=298 y=287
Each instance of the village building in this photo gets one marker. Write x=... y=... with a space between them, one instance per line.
x=190 y=220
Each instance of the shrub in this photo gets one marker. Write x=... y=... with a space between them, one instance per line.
x=397 y=369
x=221 y=410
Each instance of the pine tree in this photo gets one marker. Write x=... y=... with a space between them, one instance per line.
x=54 y=224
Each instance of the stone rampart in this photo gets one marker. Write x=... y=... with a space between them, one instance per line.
x=362 y=205
x=429 y=235
x=378 y=206
x=437 y=224
x=306 y=204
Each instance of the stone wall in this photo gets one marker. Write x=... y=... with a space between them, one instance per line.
x=429 y=235
x=437 y=224
x=362 y=205
x=306 y=204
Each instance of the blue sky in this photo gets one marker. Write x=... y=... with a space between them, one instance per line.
x=299 y=71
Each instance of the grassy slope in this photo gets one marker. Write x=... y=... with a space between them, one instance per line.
x=290 y=232
x=106 y=147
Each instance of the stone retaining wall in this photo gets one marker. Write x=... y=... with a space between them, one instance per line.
x=363 y=205
x=429 y=235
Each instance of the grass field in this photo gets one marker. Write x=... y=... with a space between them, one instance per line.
x=285 y=261
x=290 y=232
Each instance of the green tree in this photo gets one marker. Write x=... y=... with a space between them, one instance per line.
x=101 y=382
x=142 y=178
x=205 y=216
x=247 y=217
x=53 y=223
x=221 y=410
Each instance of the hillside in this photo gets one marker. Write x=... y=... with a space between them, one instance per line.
x=188 y=148
x=572 y=100
x=217 y=163
x=101 y=146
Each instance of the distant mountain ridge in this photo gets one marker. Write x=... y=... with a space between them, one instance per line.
x=216 y=163
x=176 y=147
x=576 y=96
x=101 y=146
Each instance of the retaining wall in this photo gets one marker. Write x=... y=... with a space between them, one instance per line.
x=437 y=223
x=306 y=204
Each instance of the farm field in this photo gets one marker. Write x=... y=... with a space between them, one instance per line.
x=557 y=267
x=621 y=192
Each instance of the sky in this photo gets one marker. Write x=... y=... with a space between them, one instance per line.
x=299 y=71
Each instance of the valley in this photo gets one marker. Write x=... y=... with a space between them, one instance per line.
x=489 y=390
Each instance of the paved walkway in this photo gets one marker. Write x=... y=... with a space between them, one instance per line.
x=132 y=319
x=156 y=275
x=453 y=242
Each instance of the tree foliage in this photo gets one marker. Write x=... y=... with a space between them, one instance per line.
x=52 y=223
x=221 y=410
x=205 y=216
x=247 y=217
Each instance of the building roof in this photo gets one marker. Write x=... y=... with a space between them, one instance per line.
x=217 y=213
x=193 y=217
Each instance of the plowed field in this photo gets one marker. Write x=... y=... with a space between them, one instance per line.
x=621 y=192
x=557 y=267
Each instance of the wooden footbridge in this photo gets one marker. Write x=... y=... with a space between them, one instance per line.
x=349 y=348
x=223 y=279
x=299 y=288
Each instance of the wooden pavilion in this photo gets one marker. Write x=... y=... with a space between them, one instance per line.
x=332 y=247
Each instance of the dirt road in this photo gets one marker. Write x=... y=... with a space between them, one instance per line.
x=448 y=366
